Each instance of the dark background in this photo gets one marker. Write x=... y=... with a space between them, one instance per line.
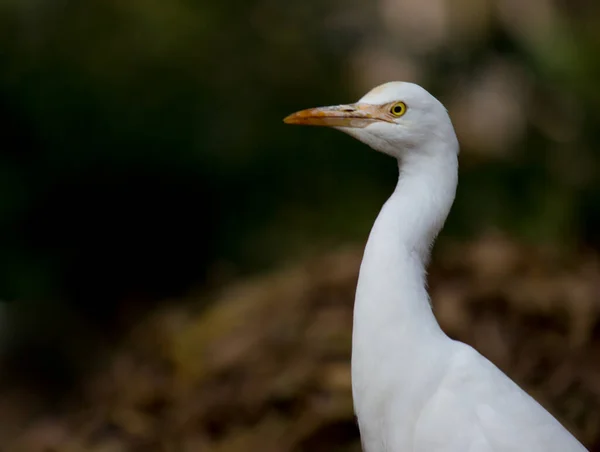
x=144 y=168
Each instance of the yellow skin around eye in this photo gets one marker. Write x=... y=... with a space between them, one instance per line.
x=398 y=109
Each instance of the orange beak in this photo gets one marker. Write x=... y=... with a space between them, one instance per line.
x=353 y=115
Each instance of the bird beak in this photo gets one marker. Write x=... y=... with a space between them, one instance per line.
x=354 y=115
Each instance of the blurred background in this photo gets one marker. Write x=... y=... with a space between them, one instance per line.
x=177 y=267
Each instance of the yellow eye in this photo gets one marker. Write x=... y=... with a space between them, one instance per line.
x=398 y=109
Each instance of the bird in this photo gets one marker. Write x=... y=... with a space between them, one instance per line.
x=414 y=388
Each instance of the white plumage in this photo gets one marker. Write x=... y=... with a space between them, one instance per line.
x=415 y=389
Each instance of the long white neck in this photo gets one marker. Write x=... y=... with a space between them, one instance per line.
x=391 y=297
x=396 y=335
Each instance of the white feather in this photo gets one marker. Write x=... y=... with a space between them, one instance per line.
x=415 y=389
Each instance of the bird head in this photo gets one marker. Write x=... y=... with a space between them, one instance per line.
x=396 y=118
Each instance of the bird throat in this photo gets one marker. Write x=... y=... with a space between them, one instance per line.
x=394 y=326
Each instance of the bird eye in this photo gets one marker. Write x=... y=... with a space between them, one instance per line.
x=398 y=109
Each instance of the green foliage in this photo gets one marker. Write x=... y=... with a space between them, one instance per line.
x=143 y=140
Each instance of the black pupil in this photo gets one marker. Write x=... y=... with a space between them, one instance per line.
x=397 y=109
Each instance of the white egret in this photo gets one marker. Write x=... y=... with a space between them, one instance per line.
x=414 y=388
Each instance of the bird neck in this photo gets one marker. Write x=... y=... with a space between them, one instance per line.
x=392 y=304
